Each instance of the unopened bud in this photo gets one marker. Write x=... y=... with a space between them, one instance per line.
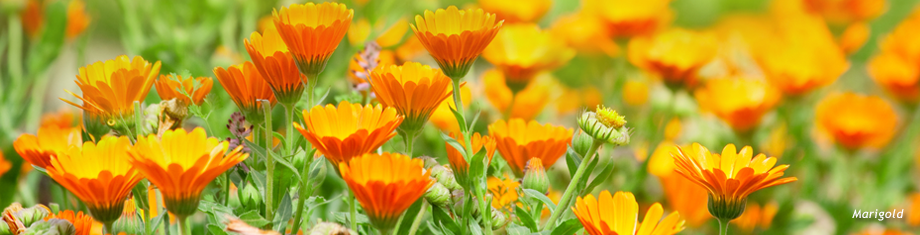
x=438 y=195
x=726 y=209
x=429 y=162
x=250 y=197
x=51 y=227
x=499 y=219
x=129 y=223
x=445 y=176
x=30 y=215
x=581 y=142
x=329 y=228
x=535 y=176
x=605 y=125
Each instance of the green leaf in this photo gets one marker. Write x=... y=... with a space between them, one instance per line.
x=475 y=119
x=214 y=229
x=530 y=193
x=258 y=179
x=283 y=213
x=433 y=230
x=478 y=167
x=460 y=120
x=257 y=150
x=343 y=217
x=572 y=160
x=525 y=218
x=445 y=220
x=584 y=181
x=281 y=138
x=318 y=171
x=475 y=228
x=514 y=229
x=140 y=191
x=453 y=143
x=286 y=163
x=568 y=227
x=409 y=216
x=253 y=218
x=600 y=178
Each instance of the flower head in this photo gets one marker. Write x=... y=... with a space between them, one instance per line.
x=271 y=57
x=894 y=68
x=626 y=18
x=521 y=51
x=181 y=164
x=756 y=216
x=517 y=12
x=619 y=214
x=846 y=11
x=504 y=192
x=413 y=89
x=246 y=87
x=855 y=121
x=586 y=33
x=349 y=130
x=455 y=157
x=50 y=141
x=111 y=87
x=455 y=38
x=535 y=176
x=33 y=19
x=385 y=185
x=190 y=90
x=674 y=54
x=312 y=32
x=605 y=124
x=527 y=103
x=740 y=102
x=519 y=141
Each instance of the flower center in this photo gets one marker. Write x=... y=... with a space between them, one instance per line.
x=609 y=117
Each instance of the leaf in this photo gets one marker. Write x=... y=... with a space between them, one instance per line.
x=514 y=229
x=478 y=167
x=453 y=143
x=475 y=228
x=600 y=178
x=214 y=229
x=444 y=219
x=572 y=160
x=409 y=216
x=475 y=119
x=156 y=221
x=283 y=213
x=281 y=138
x=253 y=218
x=584 y=180
x=433 y=230
x=258 y=178
x=317 y=173
x=343 y=218
x=525 y=218
x=540 y=196
x=140 y=191
x=460 y=120
x=568 y=227
x=323 y=98
x=259 y=151
x=286 y=163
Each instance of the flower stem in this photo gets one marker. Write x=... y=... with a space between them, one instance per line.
x=409 y=138
x=108 y=227
x=183 y=226
x=289 y=134
x=306 y=188
x=226 y=188
x=570 y=190
x=418 y=218
x=352 y=211
x=479 y=185
x=270 y=163
x=723 y=227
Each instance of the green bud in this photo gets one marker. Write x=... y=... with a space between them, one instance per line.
x=329 y=228
x=31 y=215
x=430 y=162
x=605 y=125
x=499 y=219
x=581 y=142
x=438 y=195
x=726 y=209
x=535 y=176
x=51 y=227
x=130 y=223
x=445 y=176
x=250 y=197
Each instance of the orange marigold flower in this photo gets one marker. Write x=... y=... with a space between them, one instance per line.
x=181 y=165
x=312 y=32
x=756 y=216
x=528 y=103
x=619 y=214
x=443 y=118
x=246 y=87
x=740 y=102
x=899 y=76
x=455 y=38
x=518 y=141
x=846 y=11
x=586 y=33
x=349 y=130
x=626 y=18
x=33 y=18
x=189 y=90
x=5 y=165
x=50 y=141
x=385 y=185
x=855 y=121
x=275 y=64
x=522 y=51
x=77 y=19
x=729 y=177
x=517 y=12
x=853 y=37
x=131 y=78
x=83 y=223
x=457 y=163
x=685 y=197
x=674 y=54
x=63 y=118
x=504 y=192
x=99 y=174
x=413 y=89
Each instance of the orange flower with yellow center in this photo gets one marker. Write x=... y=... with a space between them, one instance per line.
x=626 y=18
x=50 y=141
x=517 y=12
x=455 y=38
x=522 y=51
x=729 y=177
x=275 y=64
x=33 y=19
x=458 y=164
x=413 y=89
x=349 y=130
x=190 y=90
x=855 y=121
x=110 y=88
x=674 y=54
x=740 y=102
x=526 y=104
x=619 y=213
x=181 y=164
x=519 y=141
x=846 y=11
x=312 y=32
x=246 y=87
x=81 y=222
x=385 y=185
x=99 y=174
x=504 y=192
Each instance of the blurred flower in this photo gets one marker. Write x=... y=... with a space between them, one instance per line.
x=504 y=192
x=685 y=197
x=521 y=51
x=740 y=102
x=50 y=141
x=626 y=18
x=895 y=66
x=674 y=54
x=132 y=78
x=729 y=177
x=63 y=118
x=661 y=162
x=33 y=18
x=527 y=104
x=455 y=38
x=358 y=32
x=385 y=185
x=619 y=213
x=585 y=33
x=393 y=35
x=575 y=99
x=855 y=121
x=99 y=175
x=517 y=12
x=635 y=92
x=190 y=90
x=776 y=142
x=410 y=50
x=388 y=37
x=5 y=165
x=83 y=223
x=413 y=89
x=271 y=57
x=846 y=11
x=854 y=37
x=455 y=157
x=882 y=232
x=77 y=19
x=312 y=32
x=443 y=118
x=349 y=130
x=182 y=164
x=913 y=211
x=755 y=216
x=519 y=141
x=246 y=87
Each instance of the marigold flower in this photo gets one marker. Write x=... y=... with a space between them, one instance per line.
x=455 y=38
x=535 y=176
x=519 y=141
x=899 y=76
x=457 y=163
x=605 y=124
x=443 y=118
x=50 y=141
x=63 y=118
x=385 y=185
x=132 y=78
x=740 y=102
x=729 y=177
x=846 y=11
x=853 y=37
x=246 y=87
x=675 y=54
x=619 y=213
x=193 y=90
x=685 y=197
x=274 y=62
x=756 y=216
x=517 y=12
x=504 y=192
x=856 y=121
x=626 y=19
x=81 y=222
x=527 y=103
x=312 y=32
x=522 y=51
x=77 y=19
x=349 y=130
x=33 y=18
x=181 y=165
x=99 y=174
x=413 y=89
x=586 y=33
x=5 y=165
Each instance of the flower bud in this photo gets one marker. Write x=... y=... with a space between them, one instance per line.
x=51 y=227
x=445 y=177
x=129 y=222
x=430 y=162
x=606 y=125
x=329 y=228
x=499 y=219
x=581 y=142
x=30 y=215
x=535 y=176
x=438 y=195
x=250 y=197
x=726 y=209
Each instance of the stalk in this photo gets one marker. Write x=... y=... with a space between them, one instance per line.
x=306 y=188
x=723 y=227
x=418 y=218
x=352 y=211
x=183 y=226
x=289 y=135
x=108 y=227
x=570 y=190
x=270 y=164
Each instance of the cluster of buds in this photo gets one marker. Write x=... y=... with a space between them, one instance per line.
x=440 y=193
x=605 y=124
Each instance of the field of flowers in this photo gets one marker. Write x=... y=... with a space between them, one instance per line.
x=450 y=117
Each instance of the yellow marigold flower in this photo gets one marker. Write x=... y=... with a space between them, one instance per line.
x=674 y=54
x=131 y=78
x=443 y=118
x=194 y=90
x=856 y=121
x=246 y=87
x=619 y=214
x=586 y=33
x=5 y=165
x=522 y=51
x=574 y=99
x=413 y=89
x=519 y=141
x=33 y=18
x=661 y=163
x=626 y=19
x=528 y=103
x=729 y=177
x=685 y=197
x=83 y=223
x=385 y=185
x=312 y=32
x=349 y=130
x=517 y=11
x=853 y=37
x=358 y=32
x=274 y=62
x=182 y=164
x=899 y=76
x=50 y=141
x=387 y=37
x=756 y=216
x=455 y=38
x=393 y=35
x=410 y=50
x=504 y=192
x=635 y=92
x=846 y=11
x=63 y=118
x=458 y=164
x=740 y=102
x=100 y=175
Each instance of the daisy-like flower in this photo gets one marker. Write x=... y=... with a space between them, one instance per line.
x=81 y=222
x=111 y=87
x=894 y=68
x=740 y=102
x=455 y=38
x=50 y=141
x=312 y=32
x=619 y=213
x=413 y=89
x=181 y=165
x=626 y=18
x=99 y=174
x=519 y=141
x=674 y=54
x=729 y=177
x=855 y=121
x=187 y=91
x=385 y=185
x=458 y=164
x=246 y=87
x=517 y=12
x=275 y=64
x=522 y=51
x=504 y=192
x=349 y=130
x=63 y=118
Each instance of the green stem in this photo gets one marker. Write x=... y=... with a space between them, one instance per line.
x=510 y=108
x=66 y=203
x=270 y=163
x=289 y=135
x=183 y=226
x=138 y=119
x=409 y=138
x=723 y=227
x=165 y=222
x=418 y=218
x=226 y=188
x=147 y=220
x=306 y=190
x=458 y=101
x=570 y=190
x=108 y=227
x=478 y=184
x=352 y=211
